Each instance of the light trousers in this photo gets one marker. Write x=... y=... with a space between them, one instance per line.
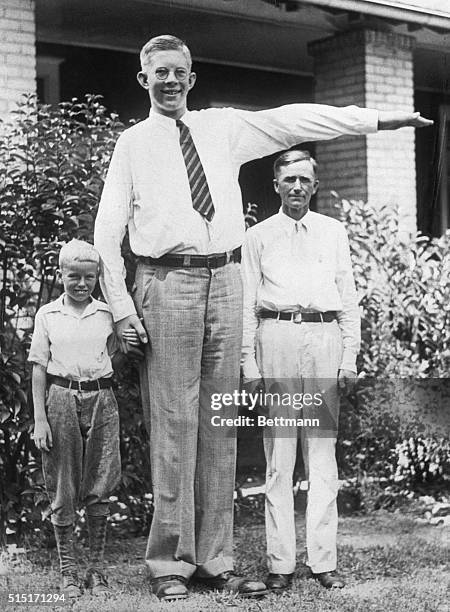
x=305 y=356
x=193 y=318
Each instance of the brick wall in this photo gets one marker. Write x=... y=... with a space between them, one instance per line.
x=17 y=52
x=372 y=69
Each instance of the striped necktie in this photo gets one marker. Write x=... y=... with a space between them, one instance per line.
x=201 y=197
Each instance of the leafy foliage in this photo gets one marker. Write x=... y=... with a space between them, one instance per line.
x=52 y=166
x=404 y=290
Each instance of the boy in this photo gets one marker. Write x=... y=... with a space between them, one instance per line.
x=77 y=427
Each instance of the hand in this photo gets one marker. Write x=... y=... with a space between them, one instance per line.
x=130 y=336
x=253 y=385
x=346 y=381
x=124 y=329
x=393 y=120
x=42 y=435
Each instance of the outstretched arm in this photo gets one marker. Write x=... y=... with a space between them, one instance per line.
x=255 y=134
x=393 y=120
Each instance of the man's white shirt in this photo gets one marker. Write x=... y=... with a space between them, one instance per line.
x=289 y=265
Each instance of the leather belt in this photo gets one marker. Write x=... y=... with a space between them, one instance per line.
x=300 y=317
x=216 y=260
x=78 y=385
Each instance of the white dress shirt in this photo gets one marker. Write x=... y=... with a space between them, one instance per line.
x=74 y=346
x=290 y=265
x=147 y=187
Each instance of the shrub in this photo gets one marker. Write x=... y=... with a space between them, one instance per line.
x=52 y=166
x=404 y=291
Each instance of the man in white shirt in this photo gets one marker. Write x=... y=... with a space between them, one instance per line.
x=173 y=182
x=302 y=330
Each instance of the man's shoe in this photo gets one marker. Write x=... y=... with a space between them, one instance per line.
x=71 y=585
x=96 y=582
x=230 y=582
x=279 y=582
x=169 y=588
x=329 y=580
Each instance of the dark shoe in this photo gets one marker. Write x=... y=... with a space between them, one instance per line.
x=279 y=582
x=330 y=580
x=169 y=588
x=96 y=582
x=71 y=585
x=230 y=582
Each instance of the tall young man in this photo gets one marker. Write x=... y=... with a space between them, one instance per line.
x=173 y=182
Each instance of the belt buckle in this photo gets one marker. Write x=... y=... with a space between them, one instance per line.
x=75 y=384
x=297 y=318
x=211 y=261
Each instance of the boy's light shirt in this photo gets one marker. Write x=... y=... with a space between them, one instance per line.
x=74 y=346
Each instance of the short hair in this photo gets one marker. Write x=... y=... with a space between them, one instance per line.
x=165 y=42
x=290 y=157
x=78 y=250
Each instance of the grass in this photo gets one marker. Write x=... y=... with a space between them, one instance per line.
x=391 y=563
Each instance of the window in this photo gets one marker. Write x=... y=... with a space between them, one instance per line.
x=47 y=69
x=444 y=169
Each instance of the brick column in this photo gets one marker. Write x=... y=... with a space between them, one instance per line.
x=17 y=52
x=372 y=69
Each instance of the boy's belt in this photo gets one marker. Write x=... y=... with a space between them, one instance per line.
x=299 y=317
x=80 y=385
x=216 y=260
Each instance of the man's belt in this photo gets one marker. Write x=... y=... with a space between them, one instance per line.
x=80 y=385
x=300 y=317
x=216 y=260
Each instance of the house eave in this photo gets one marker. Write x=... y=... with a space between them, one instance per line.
x=407 y=13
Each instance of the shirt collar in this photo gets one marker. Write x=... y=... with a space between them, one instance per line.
x=289 y=223
x=166 y=122
x=58 y=305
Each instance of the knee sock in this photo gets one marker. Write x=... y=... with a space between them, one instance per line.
x=97 y=539
x=64 y=543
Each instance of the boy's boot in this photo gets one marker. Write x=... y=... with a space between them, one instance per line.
x=95 y=578
x=70 y=583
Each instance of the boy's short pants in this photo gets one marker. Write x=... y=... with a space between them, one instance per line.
x=83 y=465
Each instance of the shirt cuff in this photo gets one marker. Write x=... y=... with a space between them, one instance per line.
x=348 y=361
x=123 y=308
x=35 y=360
x=370 y=123
x=250 y=368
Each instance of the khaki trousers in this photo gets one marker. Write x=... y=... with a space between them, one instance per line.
x=303 y=356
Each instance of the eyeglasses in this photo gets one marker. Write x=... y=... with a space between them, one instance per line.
x=162 y=74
